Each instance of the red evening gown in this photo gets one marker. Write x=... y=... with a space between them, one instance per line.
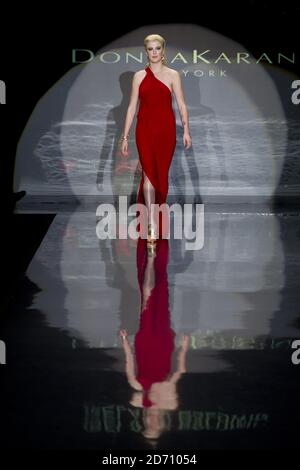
x=154 y=341
x=155 y=139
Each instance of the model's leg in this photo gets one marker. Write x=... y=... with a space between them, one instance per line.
x=149 y=280
x=149 y=196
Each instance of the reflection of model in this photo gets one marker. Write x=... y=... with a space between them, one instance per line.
x=160 y=395
x=156 y=127
x=152 y=379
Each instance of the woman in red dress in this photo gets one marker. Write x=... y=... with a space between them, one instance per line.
x=150 y=372
x=156 y=128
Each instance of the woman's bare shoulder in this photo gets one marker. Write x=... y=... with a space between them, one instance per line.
x=172 y=72
x=139 y=75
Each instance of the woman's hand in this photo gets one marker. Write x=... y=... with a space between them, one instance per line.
x=187 y=141
x=124 y=148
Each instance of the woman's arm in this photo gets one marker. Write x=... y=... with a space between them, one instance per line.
x=178 y=92
x=129 y=362
x=181 y=364
x=131 y=110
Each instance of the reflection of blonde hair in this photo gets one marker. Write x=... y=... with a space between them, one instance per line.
x=161 y=40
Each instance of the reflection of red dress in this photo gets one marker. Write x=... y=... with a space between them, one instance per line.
x=154 y=341
x=155 y=136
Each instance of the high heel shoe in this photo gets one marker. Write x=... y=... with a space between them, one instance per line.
x=151 y=235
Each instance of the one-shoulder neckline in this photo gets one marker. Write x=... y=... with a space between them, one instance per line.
x=148 y=68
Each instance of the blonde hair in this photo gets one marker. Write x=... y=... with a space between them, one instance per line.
x=161 y=40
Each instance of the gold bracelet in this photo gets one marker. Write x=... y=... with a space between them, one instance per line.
x=125 y=137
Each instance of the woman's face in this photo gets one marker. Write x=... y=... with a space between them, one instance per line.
x=154 y=51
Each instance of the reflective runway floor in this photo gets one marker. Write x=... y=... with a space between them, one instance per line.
x=111 y=347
